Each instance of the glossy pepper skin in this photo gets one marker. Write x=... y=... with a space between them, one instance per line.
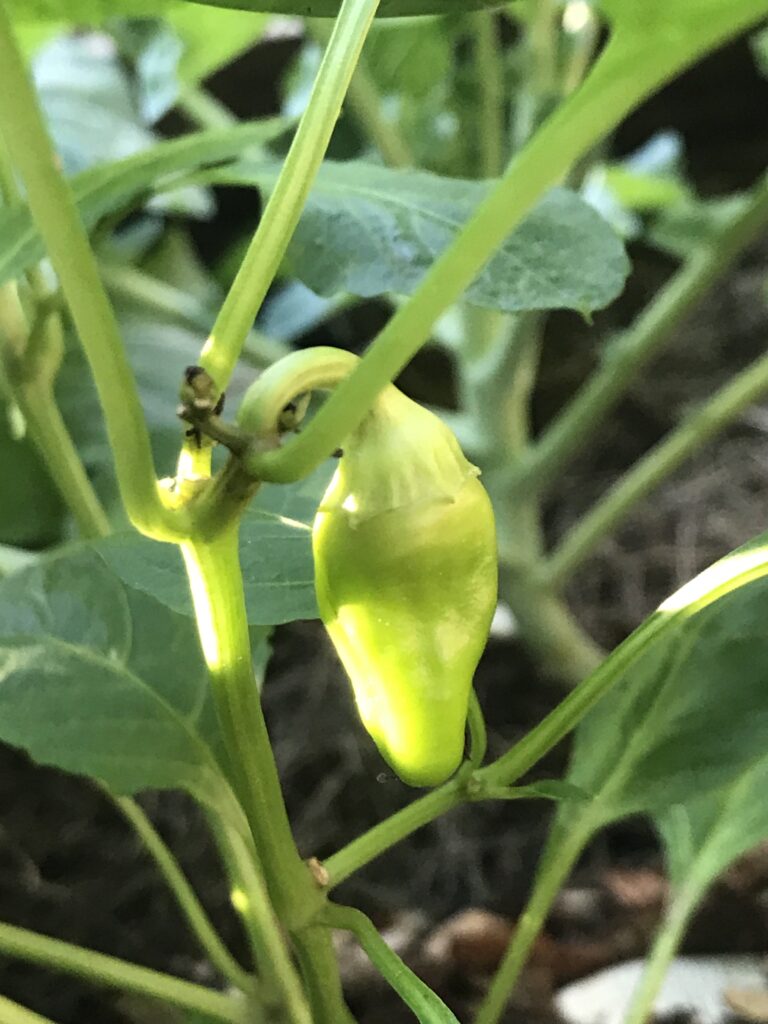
x=406 y=579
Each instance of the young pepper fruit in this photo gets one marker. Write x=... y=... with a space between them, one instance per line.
x=406 y=579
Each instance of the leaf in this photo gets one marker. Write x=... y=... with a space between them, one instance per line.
x=114 y=187
x=83 y=12
x=213 y=38
x=692 y=714
x=369 y=230
x=102 y=681
x=31 y=511
x=275 y=552
x=88 y=101
x=330 y=8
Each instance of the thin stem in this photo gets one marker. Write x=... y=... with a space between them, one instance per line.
x=13 y=1013
x=629 y=353
x=281 y=971
x=381 y=837
x=478 y=735
x=185 y=896
x=283 y=210
x=490 y=74
x=571 y=131
x=725 y=406
x=55 y=214
x=204 y=109
x=425 y=1004
x=563 y=848
x=366 y=105
x=114 y=973
x=216 y=581
x=666 y=943
x=30 y=375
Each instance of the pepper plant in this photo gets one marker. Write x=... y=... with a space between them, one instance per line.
x=404 y=544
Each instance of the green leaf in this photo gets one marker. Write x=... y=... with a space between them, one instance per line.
x=368 y=230
x=114 y=187
x=330 y=8
x=275 y=552
x=103 y=681
x=691 y=715
x=88 y=101
x=213 y=38
x=83 y=12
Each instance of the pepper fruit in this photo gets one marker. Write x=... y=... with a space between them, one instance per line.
x=406 y=580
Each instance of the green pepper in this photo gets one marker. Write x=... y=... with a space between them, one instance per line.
x=330 y=8
x=406 y=579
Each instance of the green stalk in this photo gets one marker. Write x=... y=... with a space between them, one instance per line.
x=276 y=958
x=630 y=352
x=114 y=973
x=30 y=375
x=564 y=846
x=185 y=896
x=215 y=576
x=55 y=214
x=490 y=73
x=725 y=406
x=381 y=837
x=12 y=1013
x=283 y=210
x=366 y=105
x=664 y=948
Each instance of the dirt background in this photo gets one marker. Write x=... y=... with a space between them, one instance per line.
x=69 y=865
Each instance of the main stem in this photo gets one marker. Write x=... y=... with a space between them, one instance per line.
x=213 y=566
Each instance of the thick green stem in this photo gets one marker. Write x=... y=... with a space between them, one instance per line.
x=283 y=210
x=560 y=854
x=55 y=214
x=722 y=409
x=12 y=1013
x=629 y=353
x=185 y=896
x=114 y=973
x=366 y=105
x=216 y=581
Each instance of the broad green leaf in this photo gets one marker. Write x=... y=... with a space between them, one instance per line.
x=691 y=715
x=710 y=830
x=88 y=101
x=330 y=8
x=368 y=230
x=275 y=551
x=103 y=681
x=83 y=12
x=213 y=38
x=116 y=186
